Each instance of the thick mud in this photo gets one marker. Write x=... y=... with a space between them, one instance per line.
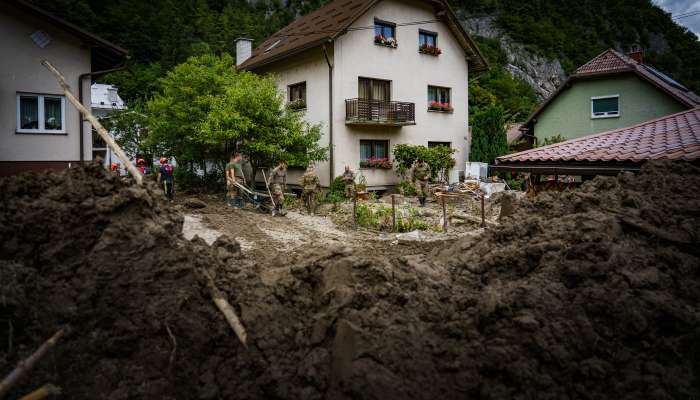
x=588 y=294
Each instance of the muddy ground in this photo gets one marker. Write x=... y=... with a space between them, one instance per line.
x=582 y=295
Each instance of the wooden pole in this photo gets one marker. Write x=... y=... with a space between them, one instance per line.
x=354 y=211
x=26 y=365
x=225 y=307
x=272 y=199
x=393 y=213
x=444 y=214
x=483 y=218
x=42 y=392
x=95 y=123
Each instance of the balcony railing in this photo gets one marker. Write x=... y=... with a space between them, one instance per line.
x=379 y=112
x=97 y=141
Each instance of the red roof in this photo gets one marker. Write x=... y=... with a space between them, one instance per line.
x=612 y=62
x=673 y=137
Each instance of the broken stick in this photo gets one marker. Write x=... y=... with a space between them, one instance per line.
x=26 y=365
x=42 y=392
x=95 y=123
x=229 y=313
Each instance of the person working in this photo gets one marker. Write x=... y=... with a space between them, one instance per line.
x=278 y=179
x=165 y=178
x=234 y=174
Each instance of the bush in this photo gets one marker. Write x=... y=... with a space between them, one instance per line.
x=378 y=216
x=187 y=180
x=439 y=158
x=407 y=188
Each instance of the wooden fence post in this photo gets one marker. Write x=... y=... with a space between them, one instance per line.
x=444 y=214
x=393 y=214
x=483 y=218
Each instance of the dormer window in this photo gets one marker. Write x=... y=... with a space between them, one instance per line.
x=384 y=33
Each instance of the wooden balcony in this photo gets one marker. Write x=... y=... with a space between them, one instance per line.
x=379 y=112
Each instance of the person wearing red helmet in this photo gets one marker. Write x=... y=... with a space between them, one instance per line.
x=141 y=165
x=115 y=167
x=165 y=177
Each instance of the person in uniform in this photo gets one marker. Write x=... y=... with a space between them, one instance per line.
x=278 y=180
x=234 y=173
x=349 y=179
x=421 y=176
x=309 y=184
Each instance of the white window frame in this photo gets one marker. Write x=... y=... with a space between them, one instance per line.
x=40 y=114
x=607 y=114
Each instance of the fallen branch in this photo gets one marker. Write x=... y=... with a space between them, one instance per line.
x=26 y=365
x=223 y=305
x=95 y=123
x=476 y=220
x=42 y=392
x=172 y=353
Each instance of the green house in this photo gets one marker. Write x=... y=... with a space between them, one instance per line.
x=611 y=91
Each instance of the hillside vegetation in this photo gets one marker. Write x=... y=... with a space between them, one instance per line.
x=163 y=33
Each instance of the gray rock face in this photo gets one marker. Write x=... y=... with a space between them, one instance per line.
x=542 y=74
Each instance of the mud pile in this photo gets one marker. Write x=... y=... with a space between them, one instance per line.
x=581 y=295
x=83 y=248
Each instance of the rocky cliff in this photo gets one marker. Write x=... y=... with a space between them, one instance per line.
x=542 y=74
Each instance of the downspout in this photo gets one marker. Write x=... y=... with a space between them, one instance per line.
x=80 y=99
x=330 y=113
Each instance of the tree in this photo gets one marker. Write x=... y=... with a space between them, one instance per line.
x=488 y=135
x=129 y=129
x=206 y=110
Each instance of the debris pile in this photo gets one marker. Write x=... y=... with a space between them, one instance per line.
x=587 y=294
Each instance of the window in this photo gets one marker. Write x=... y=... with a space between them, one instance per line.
x=40 y=113
x=438 y=144
x=374 y=89
x=439 y=99
x=370 y=149
x=605 y=106
x=384 y=33
x=297 y=95
x=426 y=38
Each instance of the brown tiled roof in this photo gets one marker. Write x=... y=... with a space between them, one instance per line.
x=330 y=22
x=673 y=137
x=612 y=62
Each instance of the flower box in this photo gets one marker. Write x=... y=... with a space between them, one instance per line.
x=376 y=163
x=440 y=107
x=430 y=50
x=296 y=105
x=380 y=40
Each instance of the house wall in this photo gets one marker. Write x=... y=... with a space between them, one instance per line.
x=569 y=114
x=309 y=67
x=21 y=71
x=410 y=73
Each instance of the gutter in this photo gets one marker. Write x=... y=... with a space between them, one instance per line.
x=330 y=113
x=81 y=130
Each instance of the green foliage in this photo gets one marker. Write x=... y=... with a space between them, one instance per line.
x=205 y=110
x=498 y=87
x=127 y=126
x=575 y=31
x=439 y=158
x=488 y=135
x=558 y=138
x=407 y=188
x=379 y=216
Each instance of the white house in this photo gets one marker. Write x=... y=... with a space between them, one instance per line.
x=39 y=129
x=104 y=100
x=368 y=72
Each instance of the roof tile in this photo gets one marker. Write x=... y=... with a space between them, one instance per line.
x=674 y=137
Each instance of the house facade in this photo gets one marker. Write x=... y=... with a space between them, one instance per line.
x=611 y=91
x=39 y=128
x=104 y=100
x=374 y=74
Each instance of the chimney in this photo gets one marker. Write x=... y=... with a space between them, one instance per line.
x=244 y=49
x=637 y=54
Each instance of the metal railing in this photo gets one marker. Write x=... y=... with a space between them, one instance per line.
x=368 y=111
